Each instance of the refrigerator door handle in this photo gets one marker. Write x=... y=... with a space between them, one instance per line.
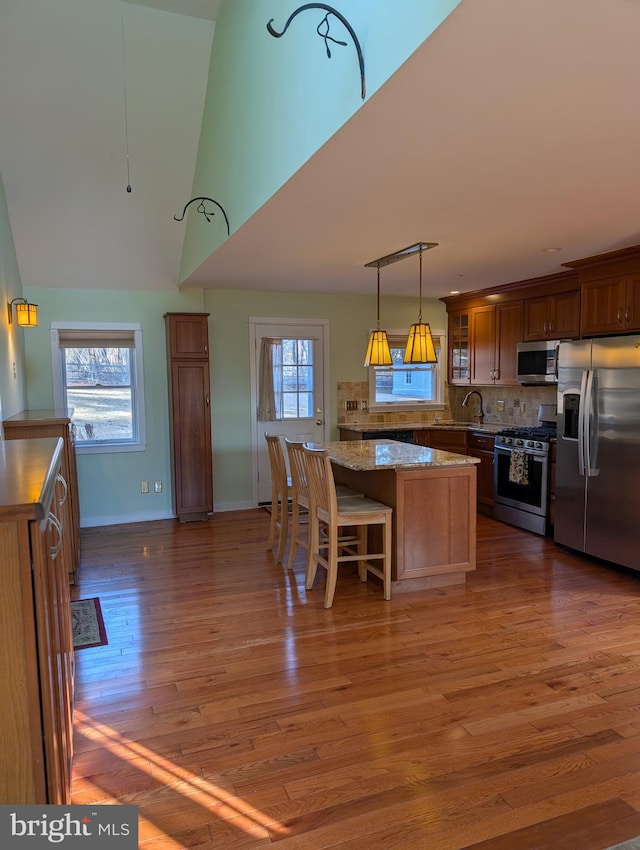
x=590 y=426
x=582 y=408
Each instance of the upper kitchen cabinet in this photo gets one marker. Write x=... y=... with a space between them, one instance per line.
x=610 y=285
x=486 y=326
x=555 y=316
x=611 y=305
x=482 y=343
x=459 y=347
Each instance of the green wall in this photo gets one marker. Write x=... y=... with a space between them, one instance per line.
x=110 y=483
x=12 y=369
x=271 y=103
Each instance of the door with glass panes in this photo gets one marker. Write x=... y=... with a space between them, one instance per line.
x=289 y=389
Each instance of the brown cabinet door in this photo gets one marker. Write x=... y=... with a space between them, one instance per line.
x=632 y=307
x=603 y=305
x=552 y=316
x=536 y=318
x=483 y=336
x=459 y=347
x=188 y=336
x=480 y=445
x=564 y=315
x=445 y=439
x=193 y=487
x=509 y=320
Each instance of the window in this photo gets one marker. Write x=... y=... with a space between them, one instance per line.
x=297 y=378
x=286 y=379
x=403 y=385
x=97 y=377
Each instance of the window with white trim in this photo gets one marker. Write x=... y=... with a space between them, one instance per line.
x=97 y=378
x=407 y=386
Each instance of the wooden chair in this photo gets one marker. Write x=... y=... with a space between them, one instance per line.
x=334 y=514
x=281 y=494
x=300 y=497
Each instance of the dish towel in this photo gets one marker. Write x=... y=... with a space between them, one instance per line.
x=519 y=467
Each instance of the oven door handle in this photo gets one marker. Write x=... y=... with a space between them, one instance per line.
x=533 y=452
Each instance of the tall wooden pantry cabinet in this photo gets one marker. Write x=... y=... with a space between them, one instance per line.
x=190 y=414
x=36 y=650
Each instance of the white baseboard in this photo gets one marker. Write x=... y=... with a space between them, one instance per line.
x=123 y=519
x=222 y=507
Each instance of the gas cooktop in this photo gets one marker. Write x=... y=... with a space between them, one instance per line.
x=532 y=432
x=534 y=437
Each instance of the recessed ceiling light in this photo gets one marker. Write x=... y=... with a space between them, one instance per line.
x=551 y=250
x=454 y=292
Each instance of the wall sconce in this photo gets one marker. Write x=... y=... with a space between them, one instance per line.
x=378 y=353
x=26 y=314
x=420 y=347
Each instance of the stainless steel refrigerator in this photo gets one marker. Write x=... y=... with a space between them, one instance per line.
x=597 y=509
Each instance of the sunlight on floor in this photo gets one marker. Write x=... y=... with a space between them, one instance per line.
x=225 y=805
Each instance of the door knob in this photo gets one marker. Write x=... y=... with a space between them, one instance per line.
x=319 y=422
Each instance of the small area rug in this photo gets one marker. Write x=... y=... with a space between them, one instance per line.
x=87 y=623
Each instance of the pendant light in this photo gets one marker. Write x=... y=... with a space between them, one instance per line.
x=420 y=347
x=378 y=353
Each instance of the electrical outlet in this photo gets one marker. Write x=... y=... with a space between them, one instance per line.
x=364 y=404
x=500 y=406
x=144 y=487
x=516 y=403
x=157 y=486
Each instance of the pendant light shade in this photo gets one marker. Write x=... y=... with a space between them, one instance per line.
x=378 y=353
x=420 y=347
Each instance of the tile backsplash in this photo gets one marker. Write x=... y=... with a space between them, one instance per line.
x=520 y=405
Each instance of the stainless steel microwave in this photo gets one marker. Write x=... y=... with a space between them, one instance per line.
x=538 y=362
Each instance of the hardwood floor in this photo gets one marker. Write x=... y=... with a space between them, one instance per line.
x=237 y=712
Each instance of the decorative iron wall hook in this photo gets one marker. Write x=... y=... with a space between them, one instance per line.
x=325 y=35
x=201 y=208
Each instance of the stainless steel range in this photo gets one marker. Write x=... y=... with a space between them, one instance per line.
x=521 y=476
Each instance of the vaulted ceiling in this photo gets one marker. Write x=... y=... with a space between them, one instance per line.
x=512 y=132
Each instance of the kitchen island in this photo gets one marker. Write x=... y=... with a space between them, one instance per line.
x=433 y=496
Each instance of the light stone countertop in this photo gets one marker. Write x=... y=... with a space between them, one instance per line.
x=446 y=424
x=371 y=455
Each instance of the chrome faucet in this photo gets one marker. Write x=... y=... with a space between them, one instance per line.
x=465 y=402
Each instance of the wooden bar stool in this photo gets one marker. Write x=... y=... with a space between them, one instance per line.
x=300 y=497
x=281 y=494
x=334 y=514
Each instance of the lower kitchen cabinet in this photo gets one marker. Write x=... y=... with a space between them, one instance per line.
x=36 y=651
x=480 y=445
x=31 y=424
x=445 y=439
x=465 y=442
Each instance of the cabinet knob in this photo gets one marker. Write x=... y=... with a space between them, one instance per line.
x=619 y=315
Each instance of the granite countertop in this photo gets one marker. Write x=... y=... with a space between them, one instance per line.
x=371 y=455
x=449 y=424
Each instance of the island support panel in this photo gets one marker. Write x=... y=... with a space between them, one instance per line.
x=434 y=521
